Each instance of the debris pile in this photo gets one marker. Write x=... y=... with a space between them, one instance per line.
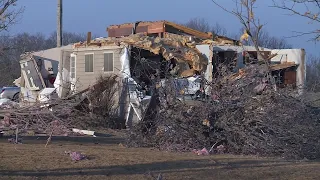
x=8 y=104
x=177 y=47
x=245 y=115
x=37 y=118
x=57 y=117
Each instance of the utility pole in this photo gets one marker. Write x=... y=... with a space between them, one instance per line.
x=59 y=24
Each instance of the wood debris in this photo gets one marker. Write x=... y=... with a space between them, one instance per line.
x=174 y=47
x=245 y=115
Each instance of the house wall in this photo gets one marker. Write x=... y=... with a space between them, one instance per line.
x=284 y=55
x=50 y=58
x=62 y=82
x=236 y=49
x=207 y=52
x=293 y=55
x=86 y=79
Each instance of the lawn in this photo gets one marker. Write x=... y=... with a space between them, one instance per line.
x=107 y=159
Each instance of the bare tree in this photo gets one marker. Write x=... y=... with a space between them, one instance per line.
x=25 y=42
x=203 y=25
x=68 y=38
x=268 y=41
x=8 y=14
x=217 y=29
x=199 y=24
x=313 y=73
x=309 y=9
x=272 y=42
x=244 y=11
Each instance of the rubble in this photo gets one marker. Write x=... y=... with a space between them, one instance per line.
x=175 y=47
x=7 y=104
x=62 y=116
x=245 y=115
x=240 y=113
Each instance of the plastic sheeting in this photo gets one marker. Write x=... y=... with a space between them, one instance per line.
x=46 y=94
x=125 y=63
x=61 y=83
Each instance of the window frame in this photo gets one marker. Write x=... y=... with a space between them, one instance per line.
x=108 y=52
x=75 y=66
x=90 y=72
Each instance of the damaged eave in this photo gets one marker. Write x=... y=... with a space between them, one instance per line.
x=277 y=67
x=186 y=30
x=156 y=27
x=226 y=41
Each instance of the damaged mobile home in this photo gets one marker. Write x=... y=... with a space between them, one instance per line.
x=141 y=54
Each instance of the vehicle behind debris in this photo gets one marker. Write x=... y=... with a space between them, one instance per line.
x=11 y=93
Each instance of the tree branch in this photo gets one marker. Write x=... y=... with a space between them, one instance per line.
x=7 y=16
x=313 y=16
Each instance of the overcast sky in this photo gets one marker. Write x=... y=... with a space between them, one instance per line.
x=96 y=15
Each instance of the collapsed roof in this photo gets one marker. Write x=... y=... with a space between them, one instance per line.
x=161 y=28
x=154 y=28
x=175 y=47
x=172 y=41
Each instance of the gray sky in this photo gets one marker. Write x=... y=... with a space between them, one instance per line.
x=96 y=15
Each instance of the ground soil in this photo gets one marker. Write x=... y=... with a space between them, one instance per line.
x=109 y=159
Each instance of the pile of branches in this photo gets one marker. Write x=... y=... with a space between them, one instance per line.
x=93 y=107
x=245 y=114
x=40 y=118
x=102 y=103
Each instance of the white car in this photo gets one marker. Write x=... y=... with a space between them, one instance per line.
x=11 y=93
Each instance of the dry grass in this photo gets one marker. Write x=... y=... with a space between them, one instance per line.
x=109 y=160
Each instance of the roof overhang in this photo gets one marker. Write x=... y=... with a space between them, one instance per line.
x=276 y=67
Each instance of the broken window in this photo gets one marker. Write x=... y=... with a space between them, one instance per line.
x=108 y=62
x=253 y=56
x=73 y=66
x=89 y=63
x=224 y=59
x=284 y=77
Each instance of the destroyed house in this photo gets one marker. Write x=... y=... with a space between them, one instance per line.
x=146 y=52
x=151 y=46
